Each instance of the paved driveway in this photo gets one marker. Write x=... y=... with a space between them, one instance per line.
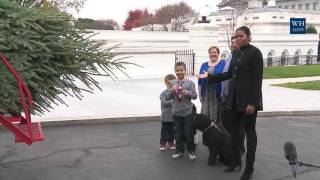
x=130 y=151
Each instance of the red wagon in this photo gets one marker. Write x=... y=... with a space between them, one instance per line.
x=20 y=124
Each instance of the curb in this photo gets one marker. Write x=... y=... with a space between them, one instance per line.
x=95 y=121
x=150 y=118
x=289 y=113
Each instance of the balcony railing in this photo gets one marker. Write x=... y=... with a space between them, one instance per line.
x=292 y=60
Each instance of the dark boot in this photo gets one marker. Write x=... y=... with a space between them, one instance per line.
x=235 y=162
x=234 y=167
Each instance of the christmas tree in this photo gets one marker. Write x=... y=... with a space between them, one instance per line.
x=51 y=55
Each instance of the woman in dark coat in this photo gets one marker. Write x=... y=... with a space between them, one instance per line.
x=244 y=98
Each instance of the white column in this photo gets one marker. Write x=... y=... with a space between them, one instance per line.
x=201 y=37
x=255 y=4
x=272 y=3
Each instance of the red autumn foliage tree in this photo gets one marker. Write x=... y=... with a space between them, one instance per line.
x=133 y=19
x=138 y=18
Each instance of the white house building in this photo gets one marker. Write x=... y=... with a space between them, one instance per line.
x=270 y=26
x=155 y=51
x=299 y=4
x=285 y=4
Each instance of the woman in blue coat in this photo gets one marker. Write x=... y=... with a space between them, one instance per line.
x=210 y=93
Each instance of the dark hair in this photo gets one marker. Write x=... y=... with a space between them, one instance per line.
x=169 y=77
x=245 y=29
x=180 y=64
x=214 y=47
x=233 y=37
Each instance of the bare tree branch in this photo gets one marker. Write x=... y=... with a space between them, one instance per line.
x=231 y=17
x=175 y=15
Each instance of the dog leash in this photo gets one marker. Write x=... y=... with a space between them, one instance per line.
x=212 y=124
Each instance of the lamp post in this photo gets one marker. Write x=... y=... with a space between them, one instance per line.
x=204 y=13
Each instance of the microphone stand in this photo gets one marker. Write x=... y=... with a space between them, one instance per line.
x=307 y=165
x=294 y=169
x=294 y=166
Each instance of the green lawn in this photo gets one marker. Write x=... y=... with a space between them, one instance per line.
x=291 y=71
x=308 y=85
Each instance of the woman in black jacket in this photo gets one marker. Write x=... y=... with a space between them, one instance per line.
x=244 y=98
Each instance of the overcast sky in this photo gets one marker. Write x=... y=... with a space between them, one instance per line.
x=118 y=9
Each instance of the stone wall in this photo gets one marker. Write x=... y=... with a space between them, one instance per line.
x=155 y=50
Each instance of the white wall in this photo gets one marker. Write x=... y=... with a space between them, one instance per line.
x=278 y=43
x=143 y=41
x=153 y=66
x=264 y=41
x=155 y=50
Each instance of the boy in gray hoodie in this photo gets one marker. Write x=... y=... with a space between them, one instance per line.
x=182 y=91
x=167 y=125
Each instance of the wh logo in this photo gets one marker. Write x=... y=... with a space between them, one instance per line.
x=297 y=25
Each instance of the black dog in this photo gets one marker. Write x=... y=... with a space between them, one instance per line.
x=217 y=142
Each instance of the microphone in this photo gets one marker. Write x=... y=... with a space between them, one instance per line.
x=290 y=154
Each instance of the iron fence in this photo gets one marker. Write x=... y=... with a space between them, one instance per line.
x=188 y=57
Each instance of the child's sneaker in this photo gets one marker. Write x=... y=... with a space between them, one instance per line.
x=192 y=156
x=163 y=147
x=178 y=155
x=172 y=146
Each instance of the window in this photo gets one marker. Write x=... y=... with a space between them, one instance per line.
x=286 y=7
x=284 y=58
x=315 y=5
x=307 y=6
x=293 y=6
x=256 y=17
x=309 y=56
x=270 y=58
x=300 y=6
x=281 y=17
x=228 y=19
x=265 y=3
x=274 y=17
x=296 y=57
x=224 y=55
x=218 y=19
